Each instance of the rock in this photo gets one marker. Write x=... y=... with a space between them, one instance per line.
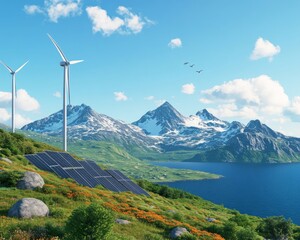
x=177 y=232
x=210 y=219
x=31 y=180
x=5 y=160
x=28 y=208
x=122 y=221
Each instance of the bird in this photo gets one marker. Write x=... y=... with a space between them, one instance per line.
x=192 y=65
x=186 y=63
x=199 y=71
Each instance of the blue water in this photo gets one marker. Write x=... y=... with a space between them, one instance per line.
x=256 y=189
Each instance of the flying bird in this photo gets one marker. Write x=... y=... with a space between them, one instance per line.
x=199 y=71
x=186 y=63
x=192 y=65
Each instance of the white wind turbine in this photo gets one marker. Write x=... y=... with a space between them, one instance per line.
x=66 y=87
x=13 y=92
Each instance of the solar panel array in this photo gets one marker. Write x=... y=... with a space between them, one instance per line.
x=86 y=173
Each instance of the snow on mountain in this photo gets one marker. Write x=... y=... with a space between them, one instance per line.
x=199 y=131
x=84 y=123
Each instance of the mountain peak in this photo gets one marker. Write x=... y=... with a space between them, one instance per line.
x=258 y=127
x=163 y=119
x=206 y=115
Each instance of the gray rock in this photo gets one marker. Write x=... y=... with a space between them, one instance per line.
x=5 y=160
x=31 y=180
x=177 y=232
x=122 y=221
x=28 y=208
x=209 y=219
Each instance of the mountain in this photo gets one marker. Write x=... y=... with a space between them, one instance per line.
x=86 y=124
x=161 y=120
x=257 y=143
x=178 y=132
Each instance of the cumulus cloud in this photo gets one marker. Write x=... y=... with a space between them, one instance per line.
x=126 y=23
x=32 y=9
x=57 y=94
x=102 y=22
x=4 y=115
x=175 y=43
x=188 y=88
x=56 y=9
x=120 y=96
x=248 y=98
x=21 y=120
x=24 y=101
x=295 y=106
x=264 y=49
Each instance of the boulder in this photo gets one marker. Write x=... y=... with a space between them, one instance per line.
x=31 y=180
x=177 y=232
x=28 y=208
x=5 y=160
x=122 y=221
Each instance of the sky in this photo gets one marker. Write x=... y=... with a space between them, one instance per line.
x=134 y=54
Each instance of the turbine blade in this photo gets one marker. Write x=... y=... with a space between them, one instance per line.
x=7 y=67
x=21 y=67
x=76 y=61
x=58 y=49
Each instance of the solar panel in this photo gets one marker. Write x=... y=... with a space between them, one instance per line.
x=47 y=159
x=86 y=173
x=36 y=161
x=70 y=159
x=77 y=177
x=59 y=159
x=60 y=171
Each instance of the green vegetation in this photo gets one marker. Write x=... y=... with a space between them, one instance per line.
x=93 y=222
x=9 y=178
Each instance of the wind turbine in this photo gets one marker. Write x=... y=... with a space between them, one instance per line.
x=13 y=92
x=65 y=63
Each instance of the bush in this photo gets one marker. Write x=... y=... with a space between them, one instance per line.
x=93 y=222
x=10 y=178
x=275 y=228
x=247 y=234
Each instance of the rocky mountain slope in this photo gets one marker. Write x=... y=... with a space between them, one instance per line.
x=86 y=124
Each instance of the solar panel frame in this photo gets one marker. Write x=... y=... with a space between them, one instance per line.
x=73 y=162
x=77 y=177
x=36 y=161
x=58 y=170
x=47 y=159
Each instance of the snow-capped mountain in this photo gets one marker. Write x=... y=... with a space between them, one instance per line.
x=84 y=123
x=199 y=131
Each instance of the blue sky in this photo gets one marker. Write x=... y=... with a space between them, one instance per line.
x=134 y=52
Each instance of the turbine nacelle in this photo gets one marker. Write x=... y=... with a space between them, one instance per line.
x=63 y=64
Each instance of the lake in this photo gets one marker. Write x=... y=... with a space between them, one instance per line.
x=256 y=189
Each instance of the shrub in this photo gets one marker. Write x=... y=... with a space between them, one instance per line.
x=275 y=228
x=9 y=178
x=93 y=222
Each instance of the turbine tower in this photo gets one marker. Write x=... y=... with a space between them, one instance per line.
x=13 y=92
x=65 y=63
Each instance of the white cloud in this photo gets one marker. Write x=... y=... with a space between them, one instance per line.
x=4 y=115
x=264 y=49
x=25 y=102
x=247 y=98
x=120 y=96
x=21 y=121
x=149 y=98
x=295 y=106
x=175 y=43
x=62 y=8
x=188 y=88
x=56 y=9
x=127 y=23
x=32 y=9
x=102 y=22
x=57 y=94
